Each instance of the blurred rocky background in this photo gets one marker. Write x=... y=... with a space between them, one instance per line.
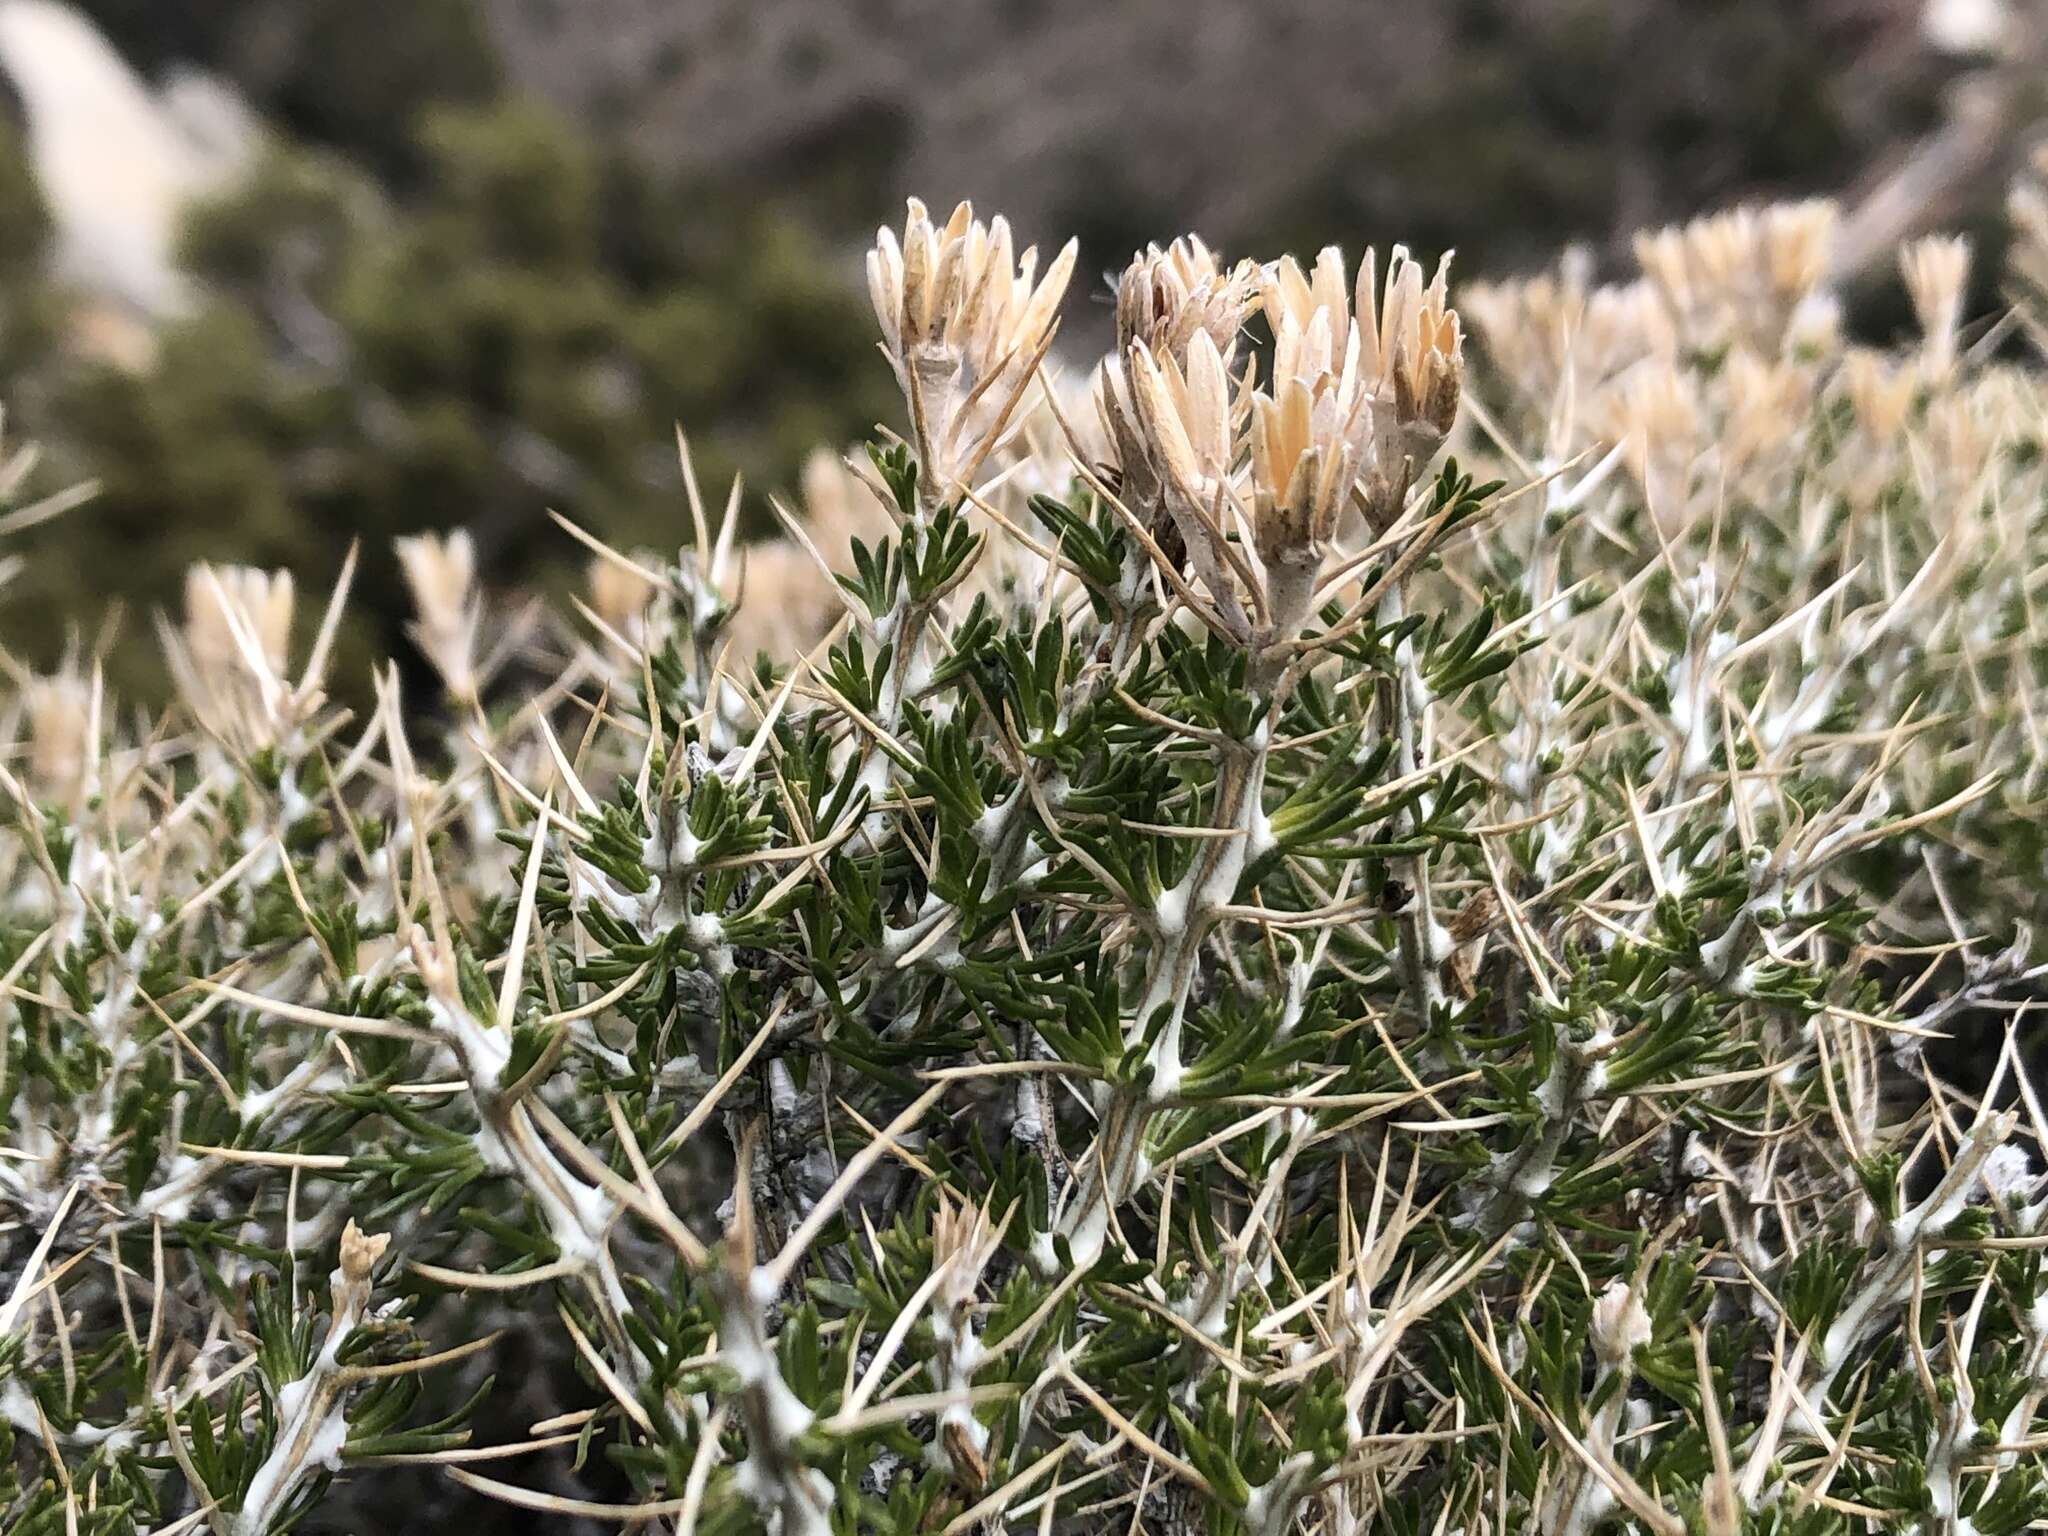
x=285 y=274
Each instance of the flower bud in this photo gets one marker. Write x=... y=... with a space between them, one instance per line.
x=360 y=1252
x=1620 y=1324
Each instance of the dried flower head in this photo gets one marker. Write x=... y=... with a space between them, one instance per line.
x=2027 y=253
x=237 y=616
x=1181 y=450
x=440 y=572
x=1384 y=367
x=1165 y=297
x=236 y=646
x=1770 y=405
x=1937 y=272
x=964 y=1239
x=58 y=707
x=1798 y=241
x=1879 y=391
x=1416 y=345
x=1740 y=276
x=1565 y=344
x=1657 y=418
x=1185 y=417
x=965 y=323
x=619 y=594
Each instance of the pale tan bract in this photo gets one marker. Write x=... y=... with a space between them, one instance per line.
x=1302 y=472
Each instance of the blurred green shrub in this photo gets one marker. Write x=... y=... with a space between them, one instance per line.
x=352 y=74
x=522 y=332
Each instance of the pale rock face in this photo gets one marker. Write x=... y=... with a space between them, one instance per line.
x=1966 y=26
x=116 y=160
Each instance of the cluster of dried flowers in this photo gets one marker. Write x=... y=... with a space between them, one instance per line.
x=1220 y=973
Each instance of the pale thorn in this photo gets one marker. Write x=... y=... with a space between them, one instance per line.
x=315 y=671
x=741 y=770
x=728 y=530
x=839 y=507
x=522 y=923
x=786 y=600
x=603 y=551
x=24 y=1282
x=799 y=539
x=691 y=490
x=585 y=802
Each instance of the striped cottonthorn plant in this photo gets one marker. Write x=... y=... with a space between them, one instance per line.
x=1299 y=932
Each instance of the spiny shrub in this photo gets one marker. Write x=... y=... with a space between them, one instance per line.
x=1283 y=941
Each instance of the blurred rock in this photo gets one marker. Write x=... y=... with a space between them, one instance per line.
x=1500 y=126
x=1967 y=26
x=116 y=162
